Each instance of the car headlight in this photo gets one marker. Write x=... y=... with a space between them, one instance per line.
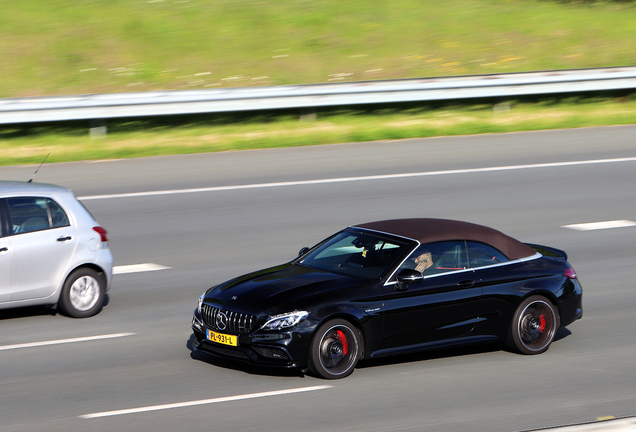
x=286 y=320
x=200 y=303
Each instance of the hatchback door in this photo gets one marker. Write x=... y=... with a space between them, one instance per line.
x=39 y=260
x=42 y=245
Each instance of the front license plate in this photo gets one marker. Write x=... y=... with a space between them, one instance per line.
x=222 y=338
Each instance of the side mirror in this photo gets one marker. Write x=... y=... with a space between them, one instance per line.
x=408 y=276
x=303 y=251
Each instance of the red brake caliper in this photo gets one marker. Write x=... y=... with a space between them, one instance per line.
x=541 y=324
x=343 y=340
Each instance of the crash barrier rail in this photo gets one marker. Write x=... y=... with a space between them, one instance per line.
x=100 y=107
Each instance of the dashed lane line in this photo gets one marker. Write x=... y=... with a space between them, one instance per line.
x=609 y=424
x=601 y=225
x=64 y=341
x=138 y=268
x=204 y=402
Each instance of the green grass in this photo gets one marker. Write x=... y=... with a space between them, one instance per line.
x=54 y=47
x=29 y=144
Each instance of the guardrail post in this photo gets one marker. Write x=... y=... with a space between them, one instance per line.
x=502 y=107
x=98 y=128
x=308 y=114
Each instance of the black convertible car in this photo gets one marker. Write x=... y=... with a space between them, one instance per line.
x=391 y=287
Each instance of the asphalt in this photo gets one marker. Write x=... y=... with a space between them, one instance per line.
x=205 y=237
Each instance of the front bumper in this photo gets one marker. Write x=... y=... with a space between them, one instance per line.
x=281 y=349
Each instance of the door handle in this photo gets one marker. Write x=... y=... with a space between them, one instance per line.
x=64 y=239
x=466 y=283
x=4 y=249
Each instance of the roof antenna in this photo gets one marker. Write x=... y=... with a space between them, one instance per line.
x=36 y=171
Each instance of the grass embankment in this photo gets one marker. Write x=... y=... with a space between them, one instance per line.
x=104 y=46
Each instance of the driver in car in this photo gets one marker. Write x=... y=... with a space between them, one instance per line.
x=423 y=262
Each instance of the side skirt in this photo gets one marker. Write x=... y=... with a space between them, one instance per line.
x=467 y=340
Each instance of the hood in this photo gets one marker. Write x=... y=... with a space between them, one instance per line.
x=281 y=289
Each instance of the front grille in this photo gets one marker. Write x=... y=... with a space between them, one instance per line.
x=232 y=322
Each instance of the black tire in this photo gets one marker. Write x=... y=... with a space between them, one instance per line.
x=533 y=326
x=83 y=293
x=335 y=349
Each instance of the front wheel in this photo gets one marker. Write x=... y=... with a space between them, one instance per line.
x=83 y=293
x=335 y=349
x=533 y=326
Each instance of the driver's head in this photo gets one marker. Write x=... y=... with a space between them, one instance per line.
x=423 y=261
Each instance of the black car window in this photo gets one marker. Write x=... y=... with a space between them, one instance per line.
x=356 y=254
x=29 y=214
x=481 y=255
x=434 y=258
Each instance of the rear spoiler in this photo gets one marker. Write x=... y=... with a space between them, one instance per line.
x=549 y=251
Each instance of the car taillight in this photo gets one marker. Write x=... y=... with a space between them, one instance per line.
x=569 y=273
x=102 y=232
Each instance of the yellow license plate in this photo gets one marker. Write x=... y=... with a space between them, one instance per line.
x=222 y=338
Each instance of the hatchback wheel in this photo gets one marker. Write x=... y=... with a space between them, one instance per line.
x=335 y=349
x=533 y=326
x=83 y=293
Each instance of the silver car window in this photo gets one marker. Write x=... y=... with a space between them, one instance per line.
x=30 y=214
x=58 y=216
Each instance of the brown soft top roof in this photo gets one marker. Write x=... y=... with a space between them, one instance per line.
x=426 y=230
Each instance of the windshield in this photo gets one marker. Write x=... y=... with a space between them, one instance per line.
x=359 y=254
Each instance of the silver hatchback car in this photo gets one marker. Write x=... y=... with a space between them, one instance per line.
x=52 y=251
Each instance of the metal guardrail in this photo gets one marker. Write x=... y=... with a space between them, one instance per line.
x=157 y=103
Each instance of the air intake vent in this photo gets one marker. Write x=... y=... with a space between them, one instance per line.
x=271 y=352
x=224 y=351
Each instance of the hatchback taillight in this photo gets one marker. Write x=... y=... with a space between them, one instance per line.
x=569 y=273
x=102 y=232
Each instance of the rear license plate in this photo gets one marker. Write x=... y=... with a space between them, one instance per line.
x=222 y=338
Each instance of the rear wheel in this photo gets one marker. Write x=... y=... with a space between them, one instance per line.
x=335 y=349
x=83 y=293
x=533 y=326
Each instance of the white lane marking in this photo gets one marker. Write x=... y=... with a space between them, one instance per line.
x=353 y=179
x=603 y=425
x=137 y=268
x=64 y=341
x=203 y=402
x=600 y=225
